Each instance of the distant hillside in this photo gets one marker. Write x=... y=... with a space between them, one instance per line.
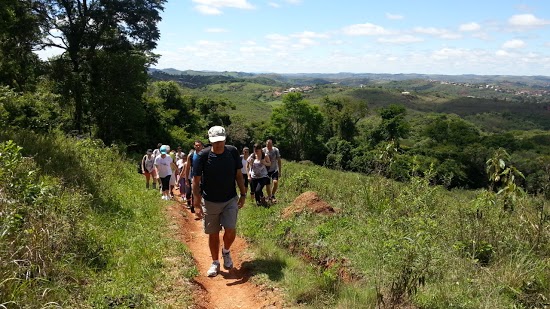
x=363 y=78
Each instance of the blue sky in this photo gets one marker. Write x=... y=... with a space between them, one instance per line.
x=360 y=36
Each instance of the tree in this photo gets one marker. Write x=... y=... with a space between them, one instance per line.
x=296 y=126
x=82 y=28
x=342 y=115
x=19 y=32
x=451 y=129
x=393 y=126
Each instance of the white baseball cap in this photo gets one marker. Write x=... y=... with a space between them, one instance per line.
x=216 y=134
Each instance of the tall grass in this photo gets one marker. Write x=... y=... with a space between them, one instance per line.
x=79 y=230
x=409 y=244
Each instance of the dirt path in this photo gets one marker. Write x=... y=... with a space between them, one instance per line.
x=230 y=289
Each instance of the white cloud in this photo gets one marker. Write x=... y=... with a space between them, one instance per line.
x=511 y=44
x=254 y=49
x=438 y=32
x=310 y=34
x=394 y=16
x=294 y=1
x=208 y=10
x=365 y=29
x=482 y=36
x=449 y=53
x=216 y=30
x=527 y=20
x=451 y=36
x=503 y=53
x=402 y=39
x=214 y=7
x=430 y=30
x=275 y=37
x=307 y=42
x=274 y=5
x=469 y=27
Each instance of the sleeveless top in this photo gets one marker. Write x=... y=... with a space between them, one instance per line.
x=149 y=163
x=257 y=170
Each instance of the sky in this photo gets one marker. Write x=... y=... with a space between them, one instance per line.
x=485 y=37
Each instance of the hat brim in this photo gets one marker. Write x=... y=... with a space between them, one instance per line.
x=163 y=152
x=216 y=139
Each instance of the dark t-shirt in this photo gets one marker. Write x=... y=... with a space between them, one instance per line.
x=218 y=172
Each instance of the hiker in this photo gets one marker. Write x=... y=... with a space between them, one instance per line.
x=244 y=170
x=274 y=171
x=193 y=155
x=215 y=196
x=258 y=163
x=148 y=168
x=179 y=154
x=175 y=172
x=181 y=180
x=164 y=164
x=156 y=153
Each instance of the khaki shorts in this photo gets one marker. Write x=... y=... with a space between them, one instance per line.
x=217 y=215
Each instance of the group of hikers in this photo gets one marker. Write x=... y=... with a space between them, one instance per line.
x=173 y=169
x=208 y=178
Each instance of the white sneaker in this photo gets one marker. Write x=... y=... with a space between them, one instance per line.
x=227 y=261
x=213 y=270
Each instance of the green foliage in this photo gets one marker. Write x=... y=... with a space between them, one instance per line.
x=393 y=126
x=75 y=212
x=503 y=178
x=116 y=108
x=296 y=128
x=410 y=244
x=39 y=111
x=38 y=228
x=93 y=35
x=341 y=116
x=452 y=130
x=19 y=32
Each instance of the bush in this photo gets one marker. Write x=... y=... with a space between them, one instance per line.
x=38 y=228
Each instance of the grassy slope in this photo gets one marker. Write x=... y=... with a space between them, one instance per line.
x=407 y=243
x=253 y=101
x=118 y=251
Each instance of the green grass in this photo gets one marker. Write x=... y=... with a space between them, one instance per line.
x=113 y=244
x=407 y=243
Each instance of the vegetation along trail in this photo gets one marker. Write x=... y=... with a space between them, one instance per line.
x=230 y=289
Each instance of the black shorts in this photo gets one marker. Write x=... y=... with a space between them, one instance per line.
x=245 y=176
x=165 y=181
x=273 y=175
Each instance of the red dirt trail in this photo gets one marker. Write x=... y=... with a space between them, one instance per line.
x=229 y=289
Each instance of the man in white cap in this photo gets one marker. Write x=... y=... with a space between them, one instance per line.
x=214 y=176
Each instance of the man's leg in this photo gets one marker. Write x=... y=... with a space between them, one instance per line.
x=268 y=185
x=275 y=187
x=275 y=180
x=228 y=238
x=214 y=244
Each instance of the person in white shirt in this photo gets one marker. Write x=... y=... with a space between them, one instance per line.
x=244 y=170
x=164 y=163
x=148 y=168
